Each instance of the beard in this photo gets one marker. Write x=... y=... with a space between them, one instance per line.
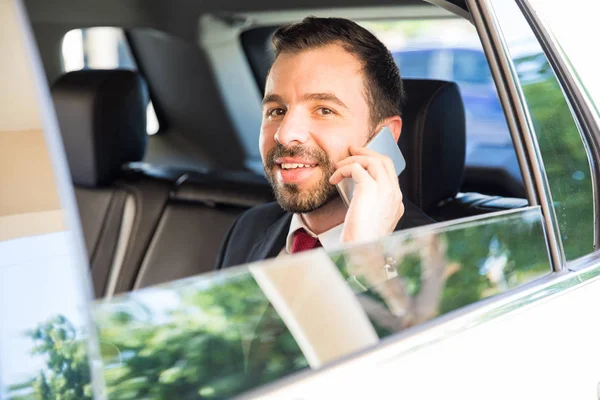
x=289 y=196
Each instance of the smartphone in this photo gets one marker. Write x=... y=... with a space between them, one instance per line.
x=382 y=142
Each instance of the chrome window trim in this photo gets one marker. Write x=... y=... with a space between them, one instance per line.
x=521 y=127
x=587 y=123
x=589 y=268
x=586 y=265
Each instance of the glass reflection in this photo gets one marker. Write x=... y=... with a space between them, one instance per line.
x=561 y=145
x=218 y=335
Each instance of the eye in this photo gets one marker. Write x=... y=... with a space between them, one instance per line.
x=276 y=112
x=325 y=111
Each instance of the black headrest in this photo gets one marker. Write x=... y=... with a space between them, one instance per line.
x=102 y=118
x=433 y=142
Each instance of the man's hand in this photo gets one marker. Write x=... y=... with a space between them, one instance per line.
x=376 y=205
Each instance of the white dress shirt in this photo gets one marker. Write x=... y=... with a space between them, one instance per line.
x=330 y=240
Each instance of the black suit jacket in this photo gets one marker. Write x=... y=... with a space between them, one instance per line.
x=261 y=232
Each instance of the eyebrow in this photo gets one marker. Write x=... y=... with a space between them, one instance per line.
x=307 y=97
x=272 y=98
x=324 y=97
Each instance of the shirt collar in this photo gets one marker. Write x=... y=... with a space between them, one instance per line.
x=330 y=240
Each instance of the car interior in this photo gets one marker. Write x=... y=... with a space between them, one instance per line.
x=155 y=208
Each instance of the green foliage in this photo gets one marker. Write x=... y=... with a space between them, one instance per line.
x=518 y=245
x=410 y=270
x=565 y=159
x=66 y=375
x=207 y=347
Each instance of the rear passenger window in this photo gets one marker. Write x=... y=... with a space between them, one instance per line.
x=102 y=48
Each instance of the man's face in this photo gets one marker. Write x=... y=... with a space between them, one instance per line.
x=314 y=109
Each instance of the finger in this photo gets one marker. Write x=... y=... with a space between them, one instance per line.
x=366 y=152
x=390 y=168
x=355 y=171
x=365 y=161
x=362 y=160
x=373 y=165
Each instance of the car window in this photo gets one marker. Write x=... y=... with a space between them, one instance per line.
x=563 y=150
x=222 y=334
x=44 y=308
x=102 y=48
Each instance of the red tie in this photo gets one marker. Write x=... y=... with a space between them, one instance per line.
x=303 y=241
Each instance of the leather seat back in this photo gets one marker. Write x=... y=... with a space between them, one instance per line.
x=102 y=118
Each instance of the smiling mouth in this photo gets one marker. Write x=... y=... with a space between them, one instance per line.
x=288 y=166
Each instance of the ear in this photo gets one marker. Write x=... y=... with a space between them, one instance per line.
x=395 y=125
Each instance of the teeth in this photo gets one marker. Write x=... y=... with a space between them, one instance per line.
x=294 y=165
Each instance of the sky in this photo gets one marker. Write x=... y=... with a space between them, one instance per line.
x=35 y=286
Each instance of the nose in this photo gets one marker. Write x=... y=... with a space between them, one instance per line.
x=293 y=130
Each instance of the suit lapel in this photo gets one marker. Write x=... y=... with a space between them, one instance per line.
x=273 y=240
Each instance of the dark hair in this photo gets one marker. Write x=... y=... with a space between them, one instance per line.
x=384 y=91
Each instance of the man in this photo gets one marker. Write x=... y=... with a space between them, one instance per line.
x=331 y=87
